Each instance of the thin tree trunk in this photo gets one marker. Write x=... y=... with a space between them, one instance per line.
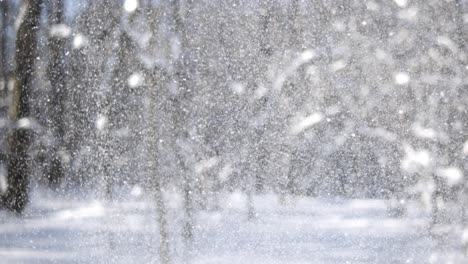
x=254 y=179
x=188 y=205
x=162 y=221
x=435 y=196
x=294 y=45
x=20 y=138
x=181 y=115
x=251 y=213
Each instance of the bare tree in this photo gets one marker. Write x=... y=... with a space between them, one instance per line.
x=57 y=74
x=5 y=74
x=20 y=138
x=180 y=101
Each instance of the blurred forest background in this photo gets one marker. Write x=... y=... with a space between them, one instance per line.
x=356 y=99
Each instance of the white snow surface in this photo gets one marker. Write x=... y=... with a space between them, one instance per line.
x=59 y=229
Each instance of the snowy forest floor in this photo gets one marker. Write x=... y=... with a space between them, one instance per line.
x=60 y=229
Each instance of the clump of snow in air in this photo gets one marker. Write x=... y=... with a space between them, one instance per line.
x=136 y=191
x=410 y=14
x=79 y=41
x=101 y=122
x=260 y=91
x=130 y=5
x=307 y=55
x=338 y=65
x=382 y=133
x=237 y=88
x=402 y=78
x=25 y=123
x=225 y=172
x=465 y=148
x=135 y=80
x=204 y=165
x=465 y=236
x=303 y=123
x=303 y=58
x=448 y=43
x=452 y=175
x=371 y=5
x=424 y=132
x=60 y=31
x=401 y=3
x=415 y=160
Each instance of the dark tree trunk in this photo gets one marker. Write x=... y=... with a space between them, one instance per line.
x=20 y=137
x=4 y=78
x=57 y=75
x=3 y=52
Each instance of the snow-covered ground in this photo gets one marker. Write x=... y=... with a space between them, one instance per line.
x=57 y=229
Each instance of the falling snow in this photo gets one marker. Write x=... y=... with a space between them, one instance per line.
x=277 y=131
